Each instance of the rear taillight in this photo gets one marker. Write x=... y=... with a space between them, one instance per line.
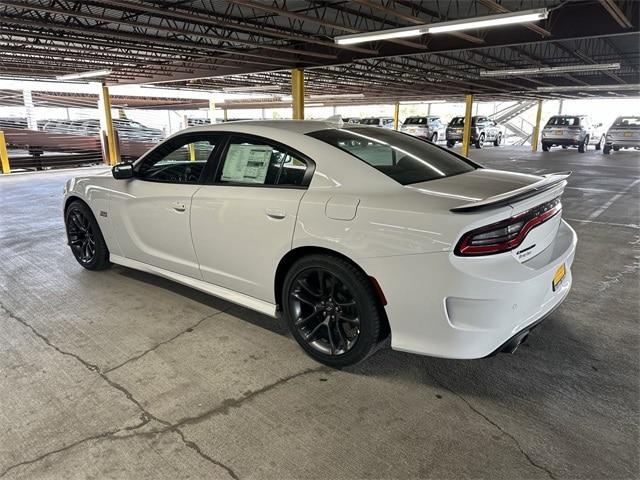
x=507 y=234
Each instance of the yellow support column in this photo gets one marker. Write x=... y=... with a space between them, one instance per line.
x=106 y=123
x=466 y=133
x=536 y=130
x=297 y=92
x=4 y=156
x=396 y=115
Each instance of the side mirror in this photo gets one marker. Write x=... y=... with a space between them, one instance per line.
x=122 y=171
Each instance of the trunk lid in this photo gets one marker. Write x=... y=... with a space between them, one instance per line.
x=479 y=194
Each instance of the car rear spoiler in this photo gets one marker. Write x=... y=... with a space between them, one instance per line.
x=548 y=182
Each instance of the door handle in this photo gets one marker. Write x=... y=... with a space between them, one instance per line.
x=179 y=206
x=275 y=213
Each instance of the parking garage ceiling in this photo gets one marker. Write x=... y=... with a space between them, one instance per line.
x=218 y=44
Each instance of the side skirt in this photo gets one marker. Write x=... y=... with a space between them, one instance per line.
x=221 y=292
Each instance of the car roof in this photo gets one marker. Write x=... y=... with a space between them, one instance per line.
x=292 y=126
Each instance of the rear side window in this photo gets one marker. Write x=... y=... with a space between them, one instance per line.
x=415 y=121
x=627 y=122
x=404 y=158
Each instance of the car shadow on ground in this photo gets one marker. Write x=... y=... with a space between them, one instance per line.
x=552 y=356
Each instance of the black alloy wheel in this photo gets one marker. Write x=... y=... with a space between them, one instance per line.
x=332 y=310
x=85 y=238
x=325 y=311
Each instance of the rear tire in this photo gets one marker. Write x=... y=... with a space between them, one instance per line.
x=498 y=140
x=583 y=145
x=331 y=310
x=616 y=149
x=85 y=238
x=451 y=143
x=480 y=142
x=434 y=138
x=600 y=143
x=545 y=147
x=606 y=150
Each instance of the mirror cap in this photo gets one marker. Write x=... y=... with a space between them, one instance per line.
x=122 y=171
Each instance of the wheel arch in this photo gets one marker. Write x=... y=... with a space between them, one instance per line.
x=295 y=254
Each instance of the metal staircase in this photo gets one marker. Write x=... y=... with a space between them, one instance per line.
x=507 y=115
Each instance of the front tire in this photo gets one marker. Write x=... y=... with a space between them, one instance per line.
x=600 y=143
x=498 y=140
x=434 y=138
x=545 y=147
x=85 y=238
x=331 y=310
x=451 y=143
x=480 y=142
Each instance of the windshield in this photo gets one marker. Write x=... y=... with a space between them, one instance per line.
x=627 y=122
x=404 y=158
x=564 y=121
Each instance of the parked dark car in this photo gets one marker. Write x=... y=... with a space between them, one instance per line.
x=483 y=130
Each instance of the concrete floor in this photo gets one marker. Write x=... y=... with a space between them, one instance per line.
x=118 y=374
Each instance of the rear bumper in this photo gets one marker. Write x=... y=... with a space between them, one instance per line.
x=466 y=308
x=623 y=143
x=567 y=142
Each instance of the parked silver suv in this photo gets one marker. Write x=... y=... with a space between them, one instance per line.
x=483 y=129
x=572 y=131
x=624 y=133
x=429 y=128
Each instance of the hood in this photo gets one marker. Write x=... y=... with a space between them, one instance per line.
x=476 y=185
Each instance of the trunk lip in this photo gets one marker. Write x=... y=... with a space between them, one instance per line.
x=548 y=182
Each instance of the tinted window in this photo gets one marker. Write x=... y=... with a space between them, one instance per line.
x=404 y=158
x=181 y=161
x=415 y=121
x=370 y=121
x=250 y=161
x=564 y=121
x=459 y=121
x=627 y=122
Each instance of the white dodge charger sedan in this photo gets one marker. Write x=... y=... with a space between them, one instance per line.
x=353 y=234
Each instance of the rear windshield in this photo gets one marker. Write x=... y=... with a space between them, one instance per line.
x=627 y=122
x=404 y=158
x=564 y=121
x=459 y=121
x=416 y=121
x=370 y=121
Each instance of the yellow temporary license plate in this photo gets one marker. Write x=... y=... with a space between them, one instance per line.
x=628 y=134
x=561 y=271
x=557 y=132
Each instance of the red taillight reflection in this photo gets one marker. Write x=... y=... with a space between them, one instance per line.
x=507 y=234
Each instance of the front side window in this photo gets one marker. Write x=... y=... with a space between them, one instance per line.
x=181 y=161
x=404 y=158
x=252 y=161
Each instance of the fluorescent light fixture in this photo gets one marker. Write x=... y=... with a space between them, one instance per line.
x=595 y=67
x=488 y=21
x=380 y=35
x=314 y=104
x=581 y=88
x=252 y=88
x=91 y=74
x=342 y=95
